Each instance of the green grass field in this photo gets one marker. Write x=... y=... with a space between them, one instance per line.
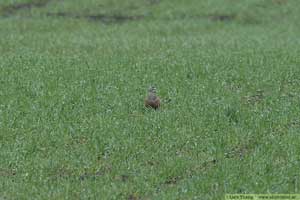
x=74 y=75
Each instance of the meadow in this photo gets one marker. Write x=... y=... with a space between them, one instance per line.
x=74 y=75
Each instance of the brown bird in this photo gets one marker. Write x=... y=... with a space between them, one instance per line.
x=152 y=101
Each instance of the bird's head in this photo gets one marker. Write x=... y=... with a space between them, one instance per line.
x=152 y=89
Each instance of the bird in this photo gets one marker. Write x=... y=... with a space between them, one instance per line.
x=152 y=100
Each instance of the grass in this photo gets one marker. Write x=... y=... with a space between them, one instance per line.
x=72 y=121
